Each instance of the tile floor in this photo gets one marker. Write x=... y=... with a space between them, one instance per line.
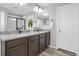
x=53 y=52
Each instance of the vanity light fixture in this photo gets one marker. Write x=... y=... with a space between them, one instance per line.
x=13 y=19
x=46 y=14
x=37 y=9
x=21 y=4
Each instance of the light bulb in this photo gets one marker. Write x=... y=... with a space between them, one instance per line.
x=20 y=4
x=36 y=9
x=46 y=14
x=40 y=10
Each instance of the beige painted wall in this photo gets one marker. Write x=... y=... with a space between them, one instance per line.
x=52 y=15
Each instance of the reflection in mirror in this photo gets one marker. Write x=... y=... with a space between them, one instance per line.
x=11 y=24
x=20 y=24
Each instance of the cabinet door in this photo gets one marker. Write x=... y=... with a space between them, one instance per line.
x=16 y=51
x=14 y=42
x=26 y=48
x=33 y=46
x=42 y=43
x=47 y=39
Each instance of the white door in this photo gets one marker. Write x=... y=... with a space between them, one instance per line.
x=68 y=27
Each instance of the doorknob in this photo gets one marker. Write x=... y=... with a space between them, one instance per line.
x=59 y=30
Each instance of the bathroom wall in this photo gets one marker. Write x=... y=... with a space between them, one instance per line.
x=11 y=24
x=3 y=20
x=52 y=16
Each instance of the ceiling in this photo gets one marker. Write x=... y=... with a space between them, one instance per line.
x=14 y=8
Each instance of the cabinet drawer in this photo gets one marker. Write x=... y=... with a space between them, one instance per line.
x=32 y=38
x=14 y=42
x=16 y=51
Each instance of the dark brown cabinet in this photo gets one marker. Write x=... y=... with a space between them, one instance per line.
x=27 y=46
x=16 y=47
x=14 y=42
x=42 y=43
x=16 y=51
x=47 y=39
x=33 y=45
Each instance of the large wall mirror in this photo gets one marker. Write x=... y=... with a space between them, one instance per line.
x=14 y=24
x=11 y=24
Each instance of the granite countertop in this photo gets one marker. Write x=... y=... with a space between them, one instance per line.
x=6 y=37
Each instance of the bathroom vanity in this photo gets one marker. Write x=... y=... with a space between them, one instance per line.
x=24 y=44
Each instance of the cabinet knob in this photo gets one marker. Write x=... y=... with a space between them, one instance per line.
x=59 y=30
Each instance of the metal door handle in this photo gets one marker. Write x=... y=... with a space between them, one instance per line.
x=59 y=30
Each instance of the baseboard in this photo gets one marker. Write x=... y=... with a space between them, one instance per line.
x=67 y=52
x=77 y=53
x=53 y=46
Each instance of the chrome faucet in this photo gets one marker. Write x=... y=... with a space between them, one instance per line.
x=19 y=29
